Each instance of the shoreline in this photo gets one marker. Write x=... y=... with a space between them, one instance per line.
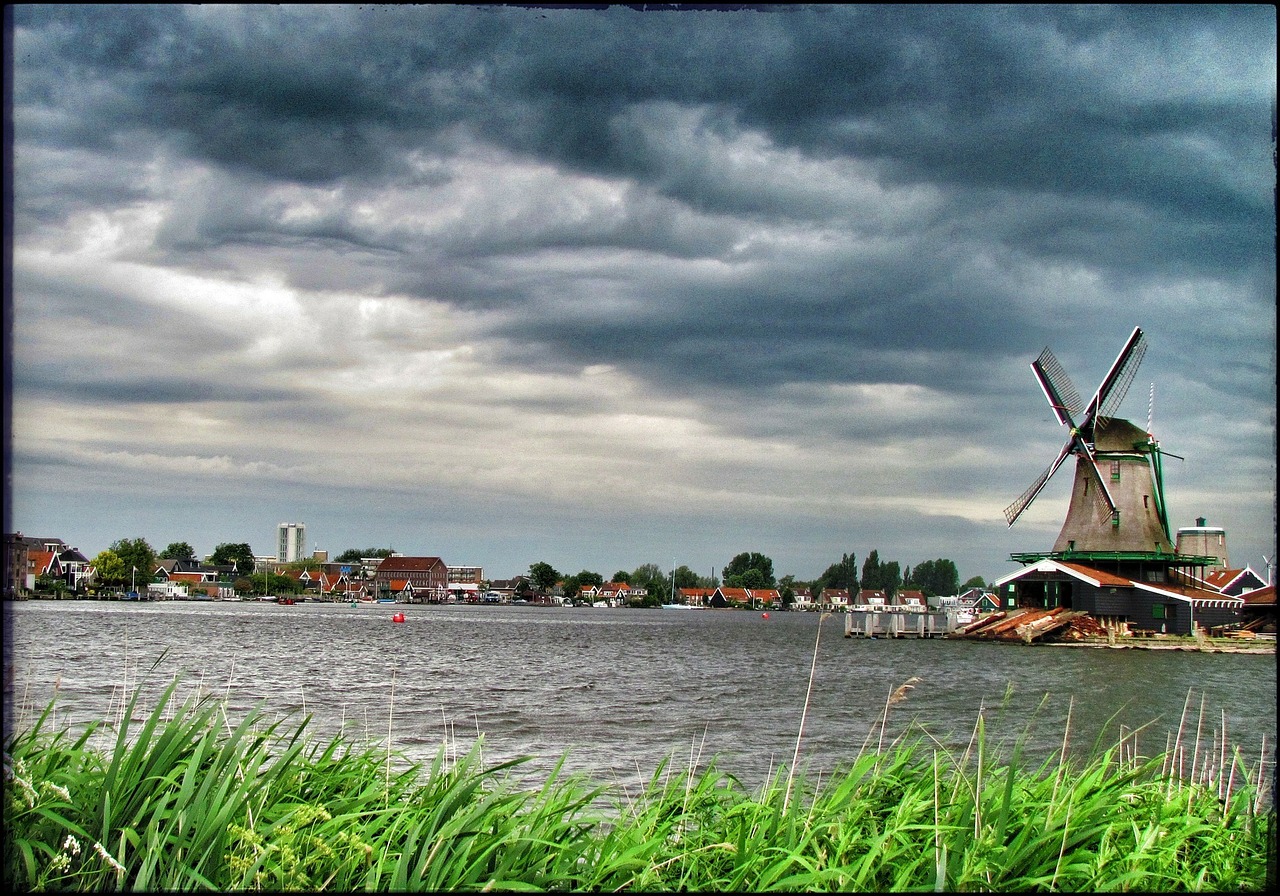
x=1210 y=646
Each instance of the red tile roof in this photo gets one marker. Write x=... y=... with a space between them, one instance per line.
x=1261 y=597
x=408 y=564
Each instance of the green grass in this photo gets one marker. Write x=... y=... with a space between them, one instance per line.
x=187 y=800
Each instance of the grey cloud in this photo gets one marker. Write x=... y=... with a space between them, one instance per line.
x=772 y=207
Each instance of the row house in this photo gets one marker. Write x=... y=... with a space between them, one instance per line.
x=339 y=586
x=176 y=579
x=803 y=599
x=417 y=579
x=696 y=597
x=768 y=597
x=466 y=575
x=1232 y=582
x=616 y=593
x=1259 y=611
x=190 y=571
x=29 y=557
x=726 y=596
x=509 y=589
x=835 y=598
x=871 y=598
x=913 y=601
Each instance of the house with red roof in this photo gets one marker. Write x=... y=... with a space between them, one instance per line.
x=871 y=597
x=417 y=579
x=1141 y=600
x=724 y=596
x=696 y=597
x=1259 y=611
x=836 y=599
x=1231 y=581
x=912 y=600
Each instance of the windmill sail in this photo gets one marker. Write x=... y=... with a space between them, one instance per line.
x=1014 y=510
x=1062 y=395
x=1118 y=379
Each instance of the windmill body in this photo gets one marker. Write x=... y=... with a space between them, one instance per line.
x=1122 y=453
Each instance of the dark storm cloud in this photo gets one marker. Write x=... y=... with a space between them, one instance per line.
x=929 y=91
x=831 y=223
x=1027 y=118
x=85 y=384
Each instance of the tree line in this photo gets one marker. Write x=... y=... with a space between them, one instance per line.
x=131 y=560
x=753 y=570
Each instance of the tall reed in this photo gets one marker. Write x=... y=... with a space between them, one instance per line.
x=189 y=800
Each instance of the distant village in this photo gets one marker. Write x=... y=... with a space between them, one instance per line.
x=63 y=571
x=417 y=580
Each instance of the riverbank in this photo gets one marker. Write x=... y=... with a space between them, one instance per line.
x=220 y=806
x=1190 y=645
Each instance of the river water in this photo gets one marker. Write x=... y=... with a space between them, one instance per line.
x=619 y=690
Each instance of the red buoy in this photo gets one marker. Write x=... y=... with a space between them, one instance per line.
x=398 y=617
x=764 y=615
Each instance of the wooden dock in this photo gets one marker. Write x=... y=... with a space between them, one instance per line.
x=891 y=622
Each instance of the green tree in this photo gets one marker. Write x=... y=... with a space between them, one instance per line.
x=880 y=576
x=275 y=583
x=687 y=578
x=239 y=554
x=787 y=591
x=934 y=578
x=586 y=578
x=178 y=550
x=891 y=576
x=648 y=573
x=621 y=576
x=842 y=574
x=354 y=555
x=137 y=555
x=47 y=584
x=109 y=569
x=307 y=563
x=739 y=565
x=871 y=572
x=975 y=582
x=543 y=576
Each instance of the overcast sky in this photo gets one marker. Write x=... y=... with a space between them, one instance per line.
x=601 y=288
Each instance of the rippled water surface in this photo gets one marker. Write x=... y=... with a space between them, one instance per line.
x=618 y=690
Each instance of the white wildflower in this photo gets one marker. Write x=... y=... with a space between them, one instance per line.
x=101 y=850
x=58 y=789
x=28 y=792
x=71 y=845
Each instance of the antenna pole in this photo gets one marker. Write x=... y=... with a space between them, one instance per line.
x=1151 y=407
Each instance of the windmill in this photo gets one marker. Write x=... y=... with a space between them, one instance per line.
x=1117 y=499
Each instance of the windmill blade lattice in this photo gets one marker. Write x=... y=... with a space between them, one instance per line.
x=1014 y=510
x=1058 y=387
x=1116 y=383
